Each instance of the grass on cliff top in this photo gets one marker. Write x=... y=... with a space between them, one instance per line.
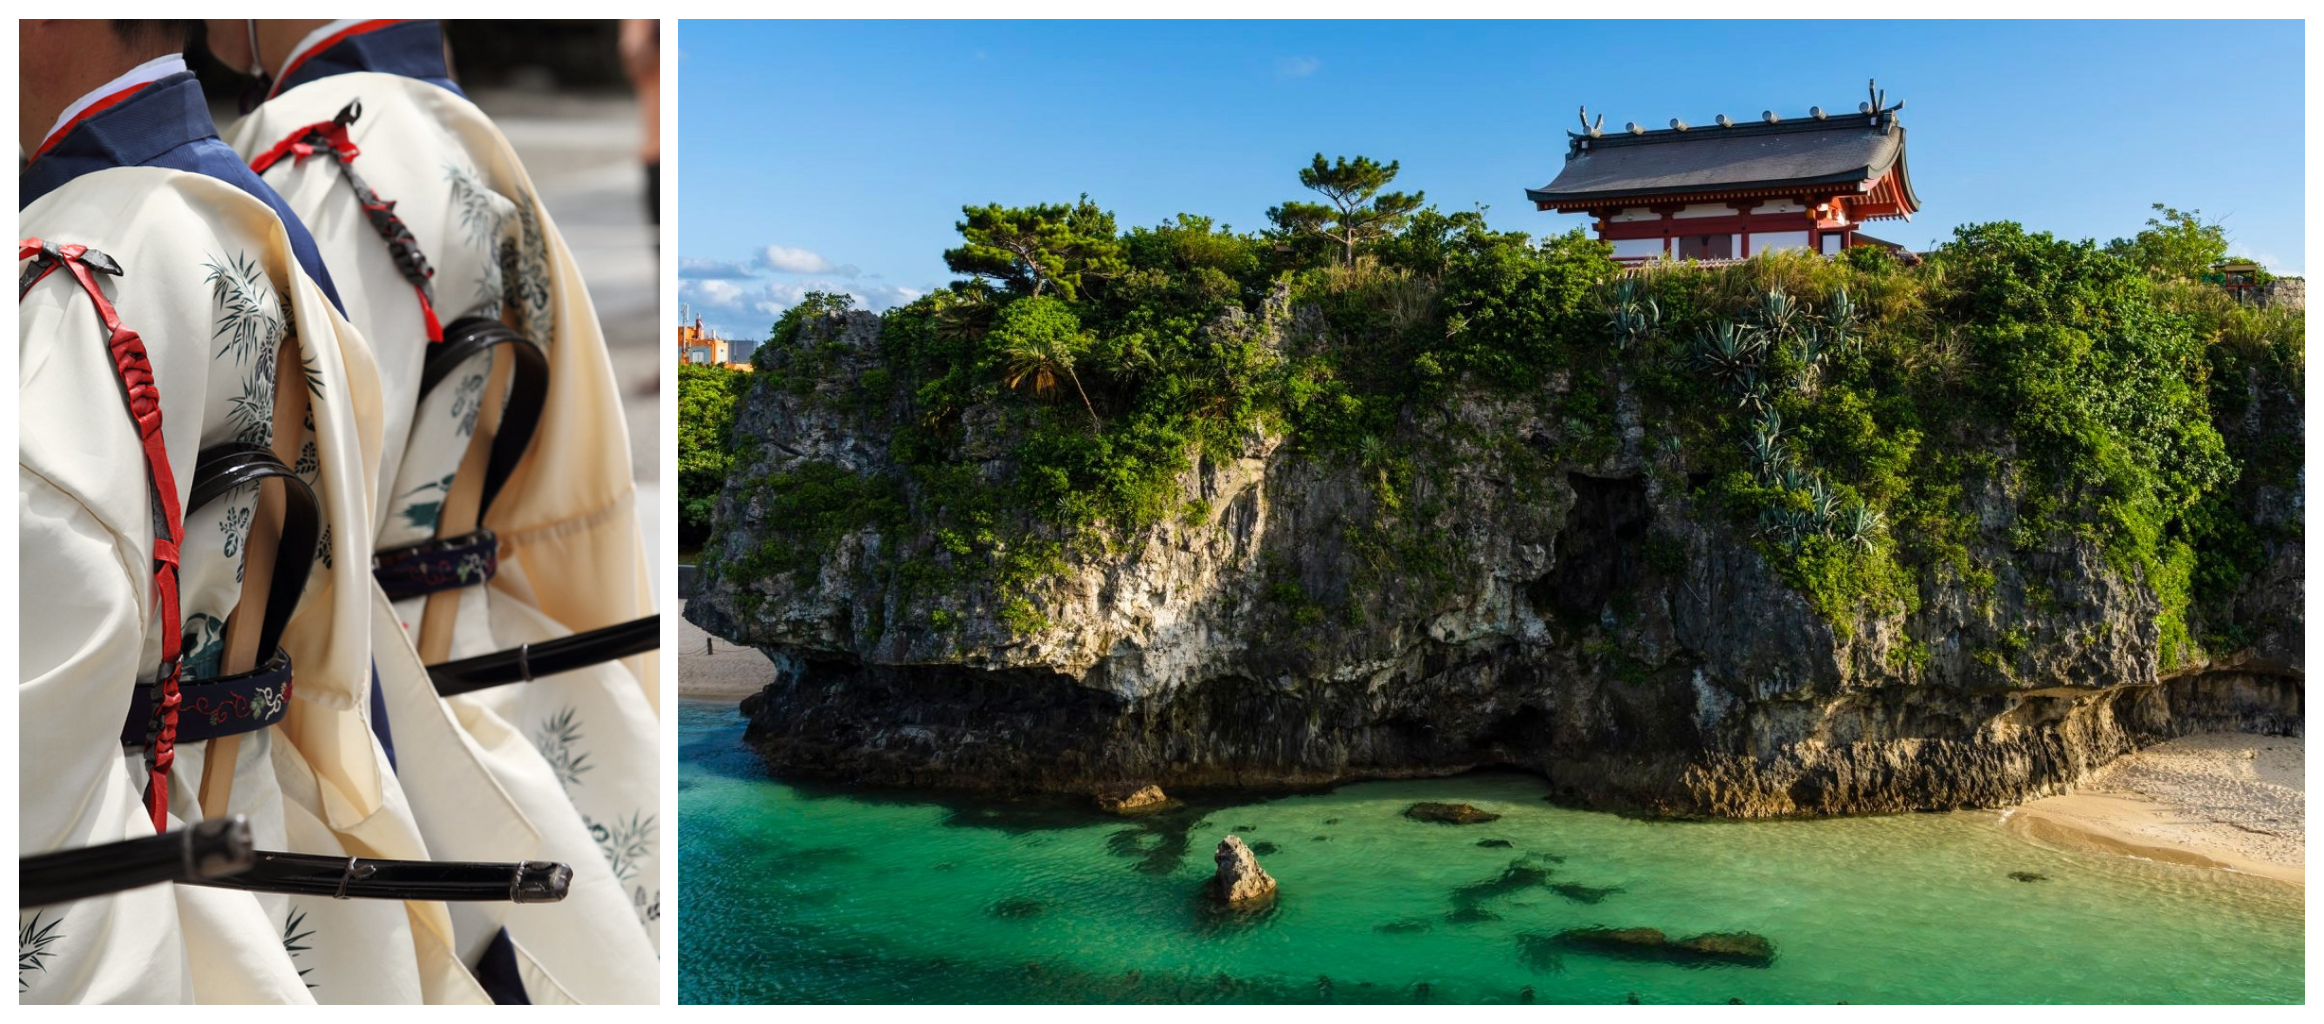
x=1846 y=414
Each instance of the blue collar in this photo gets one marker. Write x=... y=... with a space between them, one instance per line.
x=166 y=124
x=413 y=49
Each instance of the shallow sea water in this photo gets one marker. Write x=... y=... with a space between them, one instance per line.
x=800 y=893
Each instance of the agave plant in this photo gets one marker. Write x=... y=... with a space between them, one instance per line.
x=1778 y=312
x=1753 y=391
x=1789 y=526
x=1793 y=478
x=1825 y=503
x=1769 y=424
x=1858 y=525
x=1767 y=455
x=1729 y=350
x=1841 y=314
x=1632 y=321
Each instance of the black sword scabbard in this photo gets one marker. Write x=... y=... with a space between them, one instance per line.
x=548 y=657
x=207 y=849
x=362 y=878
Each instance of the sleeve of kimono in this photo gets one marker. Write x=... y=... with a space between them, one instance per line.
x=81 y=635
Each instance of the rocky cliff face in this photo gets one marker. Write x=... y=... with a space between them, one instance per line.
x=1542 y=602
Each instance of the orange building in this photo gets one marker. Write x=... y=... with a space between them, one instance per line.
x=701 y=348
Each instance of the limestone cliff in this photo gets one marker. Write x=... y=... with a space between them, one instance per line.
x=1555 y=602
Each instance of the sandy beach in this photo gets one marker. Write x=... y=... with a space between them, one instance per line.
x=709 y=668
x=2232 y=801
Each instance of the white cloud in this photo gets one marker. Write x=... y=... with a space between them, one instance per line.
x=745 y=309
x=1297 y=67
x=699 y=269
x=783 y=259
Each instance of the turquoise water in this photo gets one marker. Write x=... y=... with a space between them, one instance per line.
x=794 y=893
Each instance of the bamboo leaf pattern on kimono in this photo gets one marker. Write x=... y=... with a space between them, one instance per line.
x=626 y=844
x=525 y=262
x=481 y=220
x=292 y=936
x=250 y=313
x=252 y=412
x=557 y=738
x=467 y=402
x=32 y=947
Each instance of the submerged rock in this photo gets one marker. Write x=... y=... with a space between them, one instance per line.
x=1449 y=814
x=1494 y=844
x=1408 y=926
x=1016 y=907
x=1580 y=893
x=2028 y=876
x=1240 y=882
x=1744 y=949
x=1129 y=800
x=1263 y=847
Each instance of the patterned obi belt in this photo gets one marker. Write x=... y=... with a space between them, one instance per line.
x=210 y=709
x=438 y=565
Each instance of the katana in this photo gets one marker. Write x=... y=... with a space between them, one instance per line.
x=208 y=849
x=217 y=854
x=549 y=657
x=362 y=878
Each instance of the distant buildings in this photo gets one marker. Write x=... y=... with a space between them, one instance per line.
x=1733 y=189
x=701 y=348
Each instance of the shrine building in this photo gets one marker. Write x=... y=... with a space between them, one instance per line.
x=1732 y=189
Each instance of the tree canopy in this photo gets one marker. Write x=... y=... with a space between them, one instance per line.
x=1031 y=250
x=2176 y=243
x=1355 y=210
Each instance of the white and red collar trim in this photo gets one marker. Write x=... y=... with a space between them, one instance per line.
x=127 y=82
x=323 y=38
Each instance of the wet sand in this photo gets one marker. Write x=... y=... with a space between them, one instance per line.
x=728 y=672
x=2231 y=801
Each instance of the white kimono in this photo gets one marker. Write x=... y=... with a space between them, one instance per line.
x=572 y=760
x=213 y=287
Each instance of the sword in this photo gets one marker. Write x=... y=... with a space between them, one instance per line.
x=549 y=657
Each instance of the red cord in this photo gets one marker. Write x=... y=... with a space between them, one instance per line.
x=136 y=374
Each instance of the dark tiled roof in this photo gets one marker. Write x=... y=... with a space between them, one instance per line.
x=1842 y=149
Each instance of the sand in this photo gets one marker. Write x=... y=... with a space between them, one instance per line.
x=2232 y=801
x=729 y=672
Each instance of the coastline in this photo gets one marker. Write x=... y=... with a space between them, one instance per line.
x=2223 y=801
x=731 y=673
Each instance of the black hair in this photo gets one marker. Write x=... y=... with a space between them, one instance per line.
x=152 y=36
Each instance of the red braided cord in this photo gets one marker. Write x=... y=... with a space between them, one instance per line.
x=144 y=398
x=296 y=145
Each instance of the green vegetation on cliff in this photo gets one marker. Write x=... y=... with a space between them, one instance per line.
x=707 y=396
x=1845 y=414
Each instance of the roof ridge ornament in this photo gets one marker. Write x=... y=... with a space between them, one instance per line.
x=1590 y=129
x=1878 y=109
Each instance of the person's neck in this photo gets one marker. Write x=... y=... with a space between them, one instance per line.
x=42 y=98
x=278 y=37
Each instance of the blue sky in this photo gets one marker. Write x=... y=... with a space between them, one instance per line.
x=838 y=155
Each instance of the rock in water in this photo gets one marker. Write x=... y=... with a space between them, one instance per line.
x=1129 y=800
x=1739 y=948
x=1450 y=814
x=1241 y=883
x=1730 y=947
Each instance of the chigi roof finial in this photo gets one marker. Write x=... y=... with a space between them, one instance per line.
x=1590 y=129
